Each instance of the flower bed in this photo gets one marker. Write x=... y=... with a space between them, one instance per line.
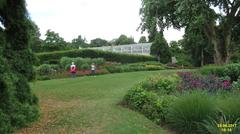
x=66 y=74
x=198 y=108
x=210 y=82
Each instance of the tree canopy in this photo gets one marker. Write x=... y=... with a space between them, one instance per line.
x=123 y=40
x=217 y=19
x=53 y=42
x=98 y=42
x=79 y=42
x=142 y=39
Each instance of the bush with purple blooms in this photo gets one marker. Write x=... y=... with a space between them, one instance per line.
x=210 y=83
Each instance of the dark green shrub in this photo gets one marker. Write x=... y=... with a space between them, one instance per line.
x=163 y=85
x=230 y=70
x=98 y=61
x=85 y=66
x=190 y=110
x=135 y=98
x=18 y=106
x=5 y=125
x=89 y=53
x=156 y=108
x=233 y=71
x=236 y=85
x=148 y=103
x=44 y=69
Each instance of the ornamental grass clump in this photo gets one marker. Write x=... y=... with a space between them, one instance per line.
x=186 y=114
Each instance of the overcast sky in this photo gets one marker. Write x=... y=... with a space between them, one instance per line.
x=106 y=19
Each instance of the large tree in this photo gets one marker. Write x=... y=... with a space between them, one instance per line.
x=18 y=106
x=196 y=45
x=123 y=40
x=79 y=42
x=54 y=42
x=216 y=18
x=98 y=42
x=35 y=42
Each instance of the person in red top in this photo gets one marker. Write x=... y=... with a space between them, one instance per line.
x=73 y=70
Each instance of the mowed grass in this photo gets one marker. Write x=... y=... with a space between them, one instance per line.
x=89 y=105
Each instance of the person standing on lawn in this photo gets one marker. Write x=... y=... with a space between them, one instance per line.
x=93 y=69
x=73 y=70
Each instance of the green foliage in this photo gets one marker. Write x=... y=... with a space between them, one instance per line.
x=142 y=39
x=236 y=57
x=148 y=66
x=199 y=15
x=148 y=103
x=230 y=108
x=233 y=71
x=79 y=42
x=230 y=70
x=177 y=50
x=163 y=85
x=98 y=42
x=196 y=46
x=190 y=110
x=4 y=123
x=18 y=106
x=216 y=126
x=236 y=85
x=146 y=99
x=123 y=40
x=161 y=49
x=46 y=69
x=85 y=66
x=35 y=42
x=88 y=53
x=213 y=69
x=53 y=42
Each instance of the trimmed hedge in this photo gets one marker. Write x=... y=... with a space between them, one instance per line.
x=54 y=57
x=133 y=68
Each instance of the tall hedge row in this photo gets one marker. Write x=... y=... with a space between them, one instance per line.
x=48 y=57
x=18 y=106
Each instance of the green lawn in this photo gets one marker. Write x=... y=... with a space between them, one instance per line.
x=89 y=105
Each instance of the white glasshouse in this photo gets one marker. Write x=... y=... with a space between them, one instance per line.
x=141 y=48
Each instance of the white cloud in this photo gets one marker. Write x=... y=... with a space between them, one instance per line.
x=90 y=18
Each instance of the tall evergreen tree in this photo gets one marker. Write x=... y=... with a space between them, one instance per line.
x=161 y=49
x=18 y=106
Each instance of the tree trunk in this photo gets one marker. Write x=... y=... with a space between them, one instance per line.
x=202 y=58
x=221 y=43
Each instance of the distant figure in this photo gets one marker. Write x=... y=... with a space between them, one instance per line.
x=93 y=68
x=73 y=70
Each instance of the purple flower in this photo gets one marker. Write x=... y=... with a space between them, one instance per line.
x=211 y=82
